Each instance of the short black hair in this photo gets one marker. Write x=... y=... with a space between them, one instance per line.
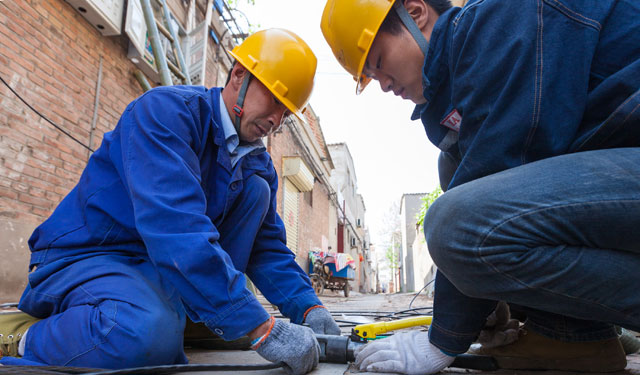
x=393 y=25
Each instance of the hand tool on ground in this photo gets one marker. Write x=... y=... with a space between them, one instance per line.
x=341 y=349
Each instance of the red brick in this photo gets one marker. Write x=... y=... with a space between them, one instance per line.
x=16 y=26
x=58 y=145
x=43 y=213
x=38 y=193
x=62 y=190
x=8 y=193
x=12 y=39
x=52 y=179
x=35 y=182
x=40 y=202
x=27 y=9
x=31 y=171
x=20 y=187
x=67 y=175
x=49 y=168
x=53 y=197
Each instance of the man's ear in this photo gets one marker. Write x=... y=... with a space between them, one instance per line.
x=419 y=11
x=237 y=76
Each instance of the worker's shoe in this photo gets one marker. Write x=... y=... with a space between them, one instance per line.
x=630 y=343
x=533 y=351
x=197 y=335
x=13 y=325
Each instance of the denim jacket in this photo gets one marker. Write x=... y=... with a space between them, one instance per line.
x=511 y=82
x=157 y=188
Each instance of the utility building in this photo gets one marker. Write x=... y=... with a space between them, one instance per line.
x=351 y=231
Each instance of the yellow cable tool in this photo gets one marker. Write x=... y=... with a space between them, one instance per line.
x=371 y=330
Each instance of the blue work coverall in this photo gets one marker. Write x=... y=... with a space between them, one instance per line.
x=536 y=106
x=159 y=224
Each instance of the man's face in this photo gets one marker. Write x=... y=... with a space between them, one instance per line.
x=263 y=112
x=396 y=61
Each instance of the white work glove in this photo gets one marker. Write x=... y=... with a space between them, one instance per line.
x=500 y=329
x=292 y=344
x=321 y=322
x=404 y=353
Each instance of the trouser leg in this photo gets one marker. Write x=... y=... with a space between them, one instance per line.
x=241 y=224
x=558 y=235
x=551 y=325
x=106 y=311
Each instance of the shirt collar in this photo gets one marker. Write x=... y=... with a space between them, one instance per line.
x=231 y=135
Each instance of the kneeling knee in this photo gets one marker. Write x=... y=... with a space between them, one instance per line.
x=150 y=338
x=439 y=229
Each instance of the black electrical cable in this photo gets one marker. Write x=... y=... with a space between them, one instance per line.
x=44 y=117
x=150 y=370
x=417 y=294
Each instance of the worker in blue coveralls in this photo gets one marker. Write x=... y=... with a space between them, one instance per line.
x=171 y=211
x=535 y=105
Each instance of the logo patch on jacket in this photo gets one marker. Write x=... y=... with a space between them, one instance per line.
x=453 y=120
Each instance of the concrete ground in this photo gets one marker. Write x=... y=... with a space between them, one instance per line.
x=380 y=303
x=355 y=309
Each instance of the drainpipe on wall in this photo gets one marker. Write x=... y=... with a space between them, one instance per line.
x=95 y=107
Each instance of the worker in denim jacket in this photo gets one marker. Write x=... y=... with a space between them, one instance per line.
x=535 y=105
x=171 y=211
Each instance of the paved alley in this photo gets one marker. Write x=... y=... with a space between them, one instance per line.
x=360 y=308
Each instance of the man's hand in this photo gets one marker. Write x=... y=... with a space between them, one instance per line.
x=321 y=322
x=404 y=353
x=500 y=329
x=292 y=344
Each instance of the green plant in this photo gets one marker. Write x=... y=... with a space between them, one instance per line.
x=392 y=259
x=233 y=3
x=427 y=201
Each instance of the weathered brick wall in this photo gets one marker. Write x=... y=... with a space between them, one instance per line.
x=50 y=55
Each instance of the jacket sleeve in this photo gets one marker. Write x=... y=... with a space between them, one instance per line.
x=273 y=268
x=161 y=135
x=520 y=76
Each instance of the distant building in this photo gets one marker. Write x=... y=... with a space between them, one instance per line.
x=418 y=268
x=352 y=237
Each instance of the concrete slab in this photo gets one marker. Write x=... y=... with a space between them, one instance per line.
x=251 y=357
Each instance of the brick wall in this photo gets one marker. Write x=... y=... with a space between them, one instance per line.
x=50 y=56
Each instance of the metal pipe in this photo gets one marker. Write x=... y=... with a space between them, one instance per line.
x=154 y=38
x=142 y=80
x=164 y=31
x=176 y=42
x=95 y=106
x=176 y=70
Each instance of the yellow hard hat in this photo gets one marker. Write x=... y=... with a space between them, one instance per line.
x=283 y=62
x=350 y=26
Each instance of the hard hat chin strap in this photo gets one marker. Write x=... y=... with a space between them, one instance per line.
x=237 y=108
x=410 y=24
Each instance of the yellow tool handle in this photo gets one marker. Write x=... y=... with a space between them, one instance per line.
x=371 y=330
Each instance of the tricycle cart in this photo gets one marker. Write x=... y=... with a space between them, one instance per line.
x=322 y=270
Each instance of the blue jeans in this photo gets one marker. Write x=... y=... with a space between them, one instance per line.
x=560 y=235
x=114 y=310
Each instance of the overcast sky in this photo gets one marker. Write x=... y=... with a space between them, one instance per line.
x=391 y=153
